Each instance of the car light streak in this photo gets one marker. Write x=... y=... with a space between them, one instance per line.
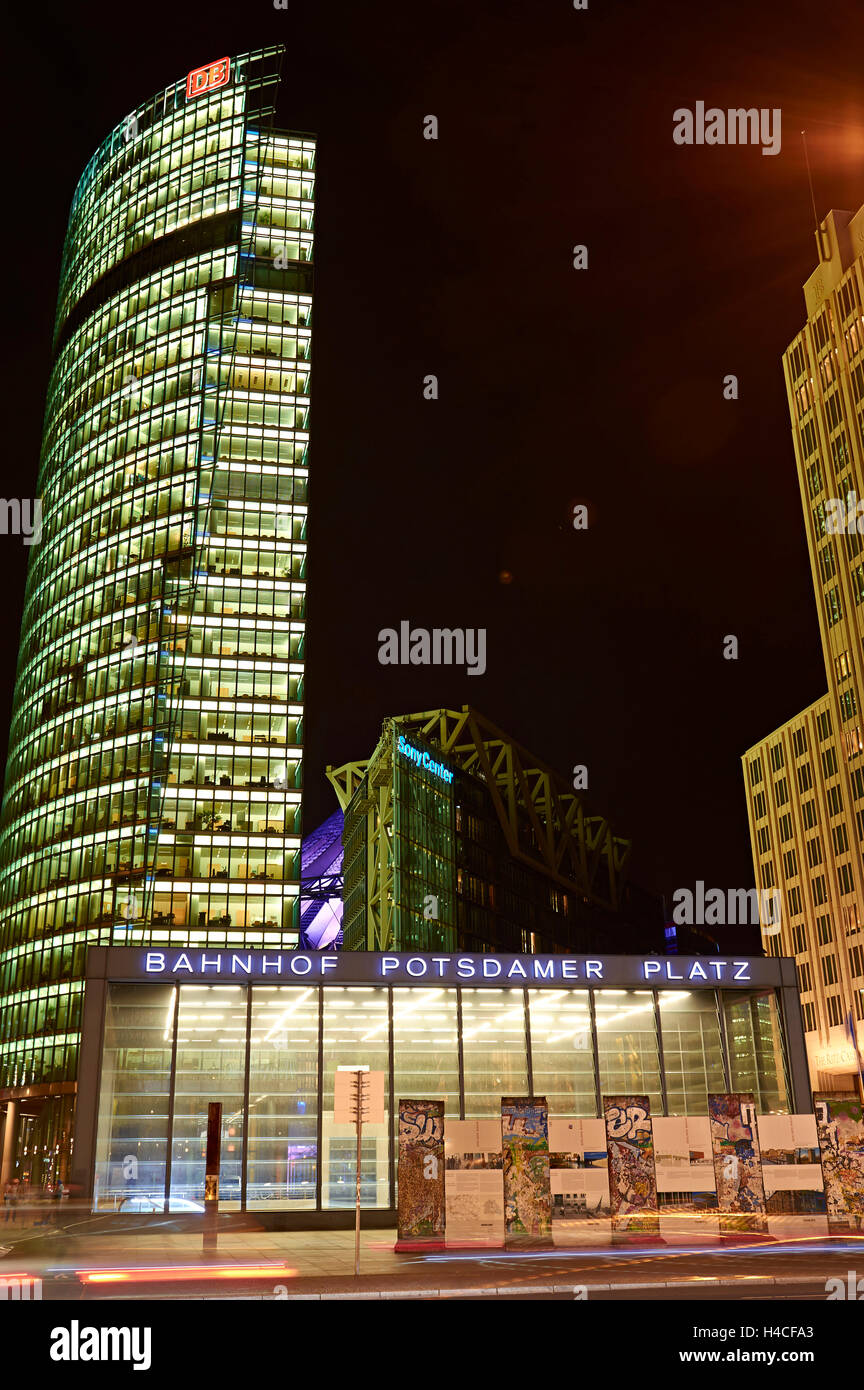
x=169 y=1273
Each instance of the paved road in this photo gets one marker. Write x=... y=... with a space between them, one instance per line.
x=319 y=1266
x=653 y=1280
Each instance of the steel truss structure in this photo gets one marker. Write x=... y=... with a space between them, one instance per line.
x=545 y=823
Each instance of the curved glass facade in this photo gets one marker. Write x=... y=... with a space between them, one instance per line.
x=154 y=773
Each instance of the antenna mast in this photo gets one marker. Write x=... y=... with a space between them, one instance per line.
x=810 y=182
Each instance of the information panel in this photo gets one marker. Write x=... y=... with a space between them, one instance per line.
x=792 y=1176
x=579 y=1178
x=686 y=1194
x=474 y=1192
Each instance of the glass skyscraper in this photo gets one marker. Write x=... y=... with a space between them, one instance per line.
x=154 y=774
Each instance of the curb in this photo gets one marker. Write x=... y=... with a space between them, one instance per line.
x=509 y=1291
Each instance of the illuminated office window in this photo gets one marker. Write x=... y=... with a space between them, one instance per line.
x=283 y=1099
x=494 y=1049
x=627 y=1045
x=562 y=1051
x=692 y=1049
x=356 y=1033
x=426 y=1048
x=756 y=1056
x=132 y=1143
x=211 y=1061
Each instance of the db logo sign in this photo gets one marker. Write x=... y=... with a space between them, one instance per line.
x=208 y=78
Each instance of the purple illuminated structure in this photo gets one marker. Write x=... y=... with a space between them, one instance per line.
x=321 y=887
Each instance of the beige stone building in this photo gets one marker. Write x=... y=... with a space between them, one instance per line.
x=805 y=781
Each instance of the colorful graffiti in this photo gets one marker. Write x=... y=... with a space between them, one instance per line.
x=632 y=1179
x=840 y=1126
x=421 y=1170
x=527 y=1191
x=737 y=1163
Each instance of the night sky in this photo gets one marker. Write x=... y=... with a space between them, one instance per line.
x=557 y=386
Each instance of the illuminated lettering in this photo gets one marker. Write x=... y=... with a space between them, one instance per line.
x=347 y=967
x=414 y=755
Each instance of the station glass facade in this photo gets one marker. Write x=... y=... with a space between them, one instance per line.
x=269 y=1052
x=154 y=774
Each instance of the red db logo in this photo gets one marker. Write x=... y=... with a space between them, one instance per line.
x=208 y=78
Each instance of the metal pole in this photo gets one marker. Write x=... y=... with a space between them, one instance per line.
x=211 y=1175
x=359 y=1119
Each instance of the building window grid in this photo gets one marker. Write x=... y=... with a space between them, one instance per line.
x=829 y=969
x=114 y=766
x=177 y=171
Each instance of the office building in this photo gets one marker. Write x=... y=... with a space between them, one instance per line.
x=457 y=838
x=805 y=781
x=154 y=773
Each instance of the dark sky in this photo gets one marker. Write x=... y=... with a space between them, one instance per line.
x=556 y=386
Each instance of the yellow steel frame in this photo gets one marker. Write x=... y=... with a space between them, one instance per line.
x=577 y=850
